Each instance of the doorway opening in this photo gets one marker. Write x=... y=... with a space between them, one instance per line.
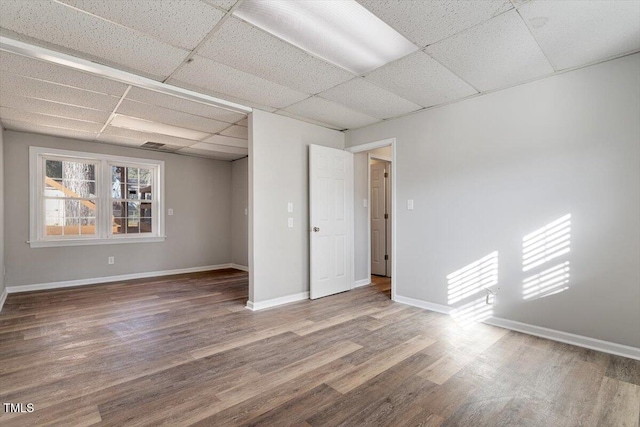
x=375 y=195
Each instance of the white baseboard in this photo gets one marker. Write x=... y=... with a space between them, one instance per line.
x=363 y=282
x=566 y=337
x=107 y=279
x=239 y=267
x=261 y=305
x=539 y=331
x=439 y=308
x=3 y=298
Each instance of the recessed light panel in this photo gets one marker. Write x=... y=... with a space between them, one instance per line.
x=341 y=32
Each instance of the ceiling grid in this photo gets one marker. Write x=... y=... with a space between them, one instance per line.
x=463 y=49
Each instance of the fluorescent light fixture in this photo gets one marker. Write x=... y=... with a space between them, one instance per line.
x=134 y=123
x=342 y=32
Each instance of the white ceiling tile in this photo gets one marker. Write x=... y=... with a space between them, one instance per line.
x=573 y=33
x=170 y=117
x=329 y=112
x=227 y=140
x=211 y=154
x=220 y=148
x=44 y=120
x=244 y=47
x=224 y=4
x=33 y=68
x=145 y=136
x=421 y=79
x=243 y=122
x=308 y=120
x=27 y=87
x=497 y=53
x=47 y=130
x=220 y=95
x=221 y=78
x=182 y=23
x=186 y=106
x=426 y=22
x=236 y=132
x=42 y=106
x=119 y=140
x=370 y=99
x=90 y=37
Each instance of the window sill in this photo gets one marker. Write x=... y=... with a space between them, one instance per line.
x=95 y=242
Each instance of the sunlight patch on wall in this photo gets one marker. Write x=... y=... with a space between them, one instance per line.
x=546 y=243
x=548 y=282
x=473 y=278
x=540 y=247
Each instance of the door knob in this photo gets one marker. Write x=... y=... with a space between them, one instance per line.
x=316 y=229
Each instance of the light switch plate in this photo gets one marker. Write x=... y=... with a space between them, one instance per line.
x=365 y=203
x=246 y=211
x=170 y=211
x=290 y=222
x=410 y=204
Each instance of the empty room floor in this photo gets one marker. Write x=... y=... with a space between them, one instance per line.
x=183 y=350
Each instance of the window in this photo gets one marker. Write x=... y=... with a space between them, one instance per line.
x=87 y=199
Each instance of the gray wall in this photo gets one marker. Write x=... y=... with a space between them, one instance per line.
x=198 y=234
x=487 y=171
x=239 y=204
x=279 y=173
x=2 y=280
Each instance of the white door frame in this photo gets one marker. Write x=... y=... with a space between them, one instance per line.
x=385 y=159
x=372 y=146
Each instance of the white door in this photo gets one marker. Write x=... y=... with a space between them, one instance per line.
x=378 y=229
x=331 y=220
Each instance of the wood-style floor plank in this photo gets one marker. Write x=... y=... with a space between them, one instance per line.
x=182 y=350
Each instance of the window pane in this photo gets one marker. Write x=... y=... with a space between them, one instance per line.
x=146 y=225
x=118 y=226
x=71 y=226
x=119 y=209
x=79 y=208
x=118 y=181
x=69 y=179
x=88 y=226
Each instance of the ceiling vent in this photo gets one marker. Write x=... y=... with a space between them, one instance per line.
x=158 y=146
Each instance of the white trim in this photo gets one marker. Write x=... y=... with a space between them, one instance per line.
x=239 y=267
x=371 y=145
x=3 y=298
x=58 y=58
x=107 y=279
x=539 y=331
x=91 y=241
x=363 y=282
x=423 y=304
x=566 y=337
x=261 y=305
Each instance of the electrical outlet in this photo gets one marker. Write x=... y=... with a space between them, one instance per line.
x=289 y=207
x=290 y=222
x=111 y=260
x=170 y=211
x=410 y=204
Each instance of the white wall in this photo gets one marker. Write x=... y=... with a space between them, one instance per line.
x=240 y=204
x=361 y=213
x=279 y=173
x=2 y=284
x=198 y=234
x=487 y=171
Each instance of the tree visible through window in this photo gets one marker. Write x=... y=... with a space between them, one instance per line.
x=85 y=198
x=70 y=198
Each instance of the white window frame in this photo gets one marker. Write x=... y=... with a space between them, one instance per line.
x=104 y=232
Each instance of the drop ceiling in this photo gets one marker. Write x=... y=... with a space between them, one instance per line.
x=465 y=48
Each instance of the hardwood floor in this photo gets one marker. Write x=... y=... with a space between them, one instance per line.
x=183 y=350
